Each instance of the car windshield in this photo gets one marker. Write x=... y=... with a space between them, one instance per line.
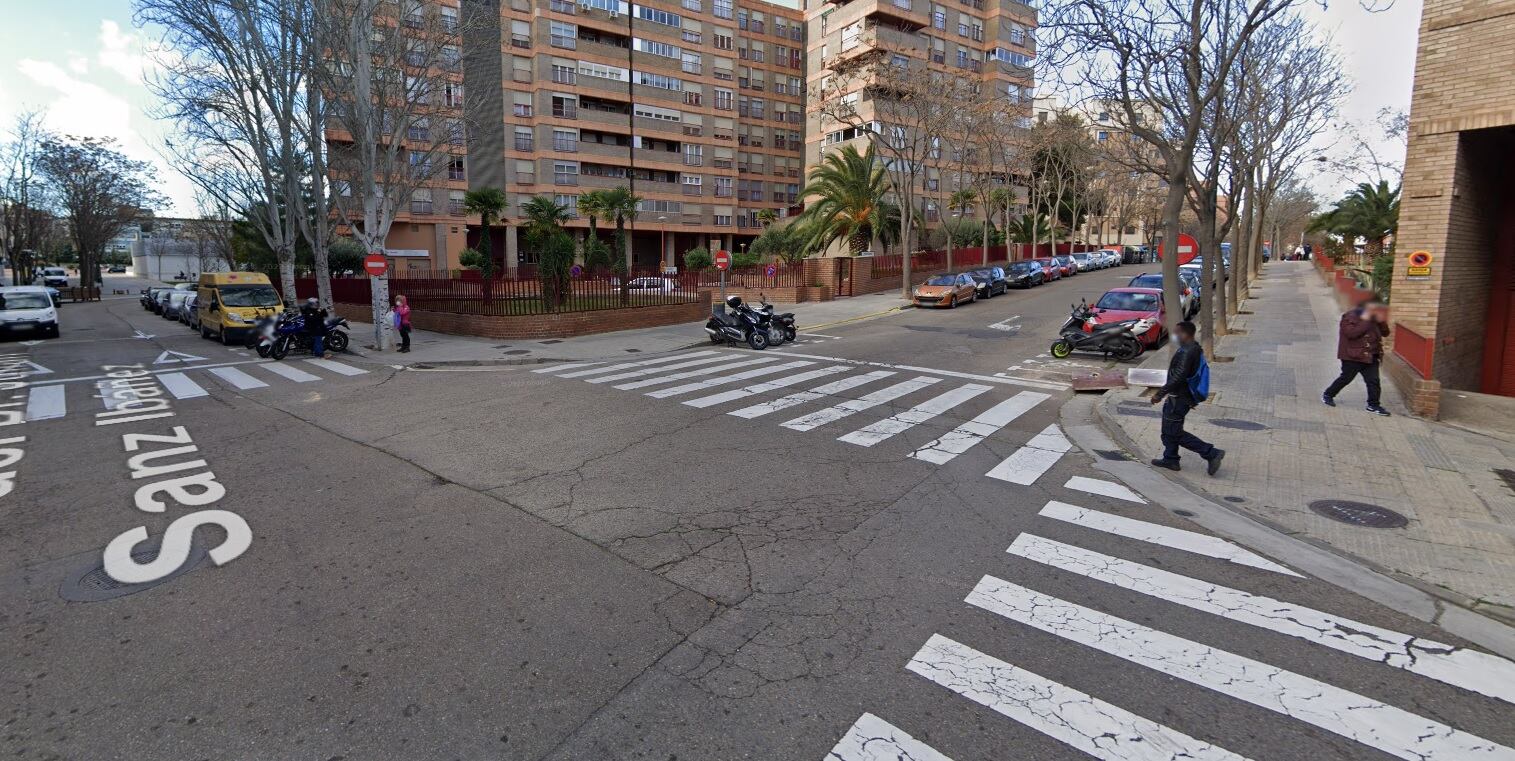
x=1147 y=281
x=177 y=296
x=54 y=271
x=249 y=296
x=943 y=280
x=24 y=301
x=1081 y=256
x=1128 y=302
x=1020 y=267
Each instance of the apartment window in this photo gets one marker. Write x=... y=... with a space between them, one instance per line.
x=755 y=107
x=723 y=42
x=1104 y=116
x=723 y=220
x=420 y=165
x=962 y=29
x=723 y=99
x=692 y=184
x=655 y=48
x=571 y=203
x=962 y=58
x=658 y=80
x=454 y=132
x=1017 y=34
x=455 y=170
x=602 y=71
x=756 y=27
x=565 y=140
x=658 y=17
x=612 y=6
x=563 y=35
x=721 y=8
x=563 y=6
x=565 y=108
x=452 y=95
x=455 y=205
x=690 y=62
x=419 y=130
x=694 y=155
x=668 y=207
x=565 y=172
x=661 y=114
x=449 y=18
x=420 y=201
x=689 y=36
x=691 y=99
x=450 y=56
x=525 y=140
x=694 y=5
x=976 y=32
x=565 y=75
x=1103 y=136
x=723 y=187
x=741 y=19
x=939 y=18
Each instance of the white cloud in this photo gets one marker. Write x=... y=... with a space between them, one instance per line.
x=121 y=52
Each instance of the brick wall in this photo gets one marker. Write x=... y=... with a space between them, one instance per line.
x=562 y=325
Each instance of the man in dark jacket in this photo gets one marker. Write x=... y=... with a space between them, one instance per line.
x=1359 y=346
x=315 y=326
x=1178 y=400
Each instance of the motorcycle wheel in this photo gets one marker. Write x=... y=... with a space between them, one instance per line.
x=757 y=340
x=715 y=339
x=336 y=341
x=790 y=333
x=776 y=337
x=1127 y=350
x=280 y=349
x=1061 y=348
x=264 y=351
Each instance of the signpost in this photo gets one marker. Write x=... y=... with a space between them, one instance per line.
x=723 y=263
x=375 y=264
x=1188 y=248
x=1419 y=266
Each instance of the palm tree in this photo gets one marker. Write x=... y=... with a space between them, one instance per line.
x=849 y=188
x=592 y=206
x=767 y=217
x=544 y=216
x=621 y=204
x=1000 y=200
x=1028 y=229
x=960 y=201
x=487 y=203
x=1369 y=211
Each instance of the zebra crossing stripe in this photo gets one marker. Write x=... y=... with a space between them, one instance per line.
x=1378 y=725
x=181 y=386
x=1084 y=722
x=854 y=406
x=337 y=367
x=659 y=369
x=664 y=393
x=45 y=403
x=819 y=392
x=628 y=365
x=695 y=373
x=1028 y=463
x=292 y=373
x=872 y=434
x=761 y=388
x=1175 y=538
x=1104 y=489
x=1485 y=674
x=873 y=739
x=962 y=438
x=238 y=378
x=569 y=366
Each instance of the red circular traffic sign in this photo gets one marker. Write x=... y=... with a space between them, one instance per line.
x=375 y=264
x=723 y=260
x=1188 y=248
x=1420 y=259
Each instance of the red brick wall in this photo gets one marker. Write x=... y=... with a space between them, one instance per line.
x=563 y=325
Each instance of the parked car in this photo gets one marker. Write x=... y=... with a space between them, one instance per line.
x=57 y=277
x=947 y=290
x=28 y=308
x=116 y=269
x=990 y=282
x=170 y=301
x=1026 y=274
x=1085 y=261
x=1120 y=304
x=1186 y=296
x=649 y=285
x=187 y=310
x=1050 y=266
x=1069 y=266
x=54 y=296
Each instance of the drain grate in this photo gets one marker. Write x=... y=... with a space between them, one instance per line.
x=551 y=341
x=1239 y=425
x=633 y=351
x=1358 y=513
x=518 y=351
x=1236 y=499
x=1112 y=454
x=1137 y=412
x=92 y=584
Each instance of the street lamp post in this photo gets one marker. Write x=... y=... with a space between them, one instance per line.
x=663 y=243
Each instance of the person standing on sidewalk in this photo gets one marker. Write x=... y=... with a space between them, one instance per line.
x=1359 y=346
x=315 y=326
x=1177 y=400
x=402 y=322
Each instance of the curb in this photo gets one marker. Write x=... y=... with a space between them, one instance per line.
x=1090 y=425
x=860 y=318
x=514 y=361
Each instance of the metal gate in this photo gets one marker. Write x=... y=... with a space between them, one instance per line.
x=844 y=276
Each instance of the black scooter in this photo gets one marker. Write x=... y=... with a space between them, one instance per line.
x=780 y=326
x=740 y=325
x=1116 y=339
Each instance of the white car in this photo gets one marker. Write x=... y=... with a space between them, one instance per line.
x=652 y=285
x=28 y=308
x=56 y=277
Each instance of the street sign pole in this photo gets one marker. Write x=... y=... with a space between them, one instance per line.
x=723 y=263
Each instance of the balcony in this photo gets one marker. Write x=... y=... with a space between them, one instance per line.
x=619 y=152
x=456 y=208
x=420 y=207
x=879 y=38
x=525 y=144
x=603 y=181
x=1014 y=8
x=693 y=190
x=606 y=118
x=526 y=178
x=908 y=13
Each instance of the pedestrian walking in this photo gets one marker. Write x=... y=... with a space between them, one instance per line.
x=1179 y=395
x=1359 y=346
x=315 y=326
x=402 y=322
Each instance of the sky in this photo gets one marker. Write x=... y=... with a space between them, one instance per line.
x=84 y=67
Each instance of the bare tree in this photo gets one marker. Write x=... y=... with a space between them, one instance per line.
x=216 y=227
x=97 y=190
x=25 y=221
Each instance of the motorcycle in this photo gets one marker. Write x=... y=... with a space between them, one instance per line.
x=741 y=325
x=264 y=333
x=290 y=335
x=780 y=326
x=1116 y=339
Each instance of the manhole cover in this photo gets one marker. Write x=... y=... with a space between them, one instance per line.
x=518 y=351
x=1236 y=499
x=92 y=584
x=551 y=341
x=1240 y=425
x=633 y=351
x=1137 y=412
x=1111 y=454
x=1184 y=513
x=1358 y=513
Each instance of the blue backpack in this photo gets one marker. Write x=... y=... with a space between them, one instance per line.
x=1199 y=382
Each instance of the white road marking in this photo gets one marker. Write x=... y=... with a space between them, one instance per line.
x=1175 y=538
x=761 y=388
x=1377 y=725
x=962 y=438
x=700 y=385
x=693 y=373
x=852 y=406
x=1002 y=324
x=288 y=371
x=819 y=392
x=1471 y=670
x=1104 y=489
x=1028 y=463
x=873 y=739
x=819 y=335
x=237 y=378
x=337 y=367
x=45 y=403
x=1044 y=385
x=629 y=365
x=570 y=366
x=169 y=357
x=898 y=423
x=1089 y=724
x=655 y=370
x=181 y=386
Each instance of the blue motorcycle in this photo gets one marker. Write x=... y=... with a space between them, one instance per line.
x=289 y=334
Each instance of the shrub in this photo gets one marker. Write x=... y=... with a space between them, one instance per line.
x=597 y=254
x=698 y=259
x=471 y=258
x=745 y=259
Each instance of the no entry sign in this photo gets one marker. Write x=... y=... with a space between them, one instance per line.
x=1188 y=248
x=723 y=260
x=375 y=264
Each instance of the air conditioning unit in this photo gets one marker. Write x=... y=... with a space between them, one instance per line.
x=613 y=14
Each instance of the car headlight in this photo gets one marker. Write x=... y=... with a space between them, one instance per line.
x=232 y=317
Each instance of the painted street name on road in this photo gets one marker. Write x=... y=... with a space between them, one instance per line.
x=14 y=368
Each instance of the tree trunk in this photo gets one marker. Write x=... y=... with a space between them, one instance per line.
x=287 y=274
x=948 y=231
x=1173 y=206
x=986 y=235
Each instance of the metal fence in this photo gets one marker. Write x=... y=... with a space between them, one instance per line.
x=499 y=297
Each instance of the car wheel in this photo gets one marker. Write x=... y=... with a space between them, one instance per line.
x=952 y=302
x=225 y=340
x=204 y=334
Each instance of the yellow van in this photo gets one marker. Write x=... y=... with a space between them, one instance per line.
x=232 y=302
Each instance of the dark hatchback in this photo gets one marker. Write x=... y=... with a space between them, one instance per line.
x=990 y=281
x=1026 y=274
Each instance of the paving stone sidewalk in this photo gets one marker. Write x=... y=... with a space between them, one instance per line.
x=1285 y=450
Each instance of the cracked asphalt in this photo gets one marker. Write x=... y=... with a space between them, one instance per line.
x=502 y=564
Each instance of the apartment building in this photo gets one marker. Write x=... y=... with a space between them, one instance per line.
x=695 y=105
x=1131 y=213
x=988 y=42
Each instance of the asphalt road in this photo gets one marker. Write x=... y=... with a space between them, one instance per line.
x=603 y=561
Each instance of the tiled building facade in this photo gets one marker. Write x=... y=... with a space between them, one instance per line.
x=1455 y=325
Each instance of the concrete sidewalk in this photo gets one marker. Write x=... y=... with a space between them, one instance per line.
x=1286 y=450
x=440 y=348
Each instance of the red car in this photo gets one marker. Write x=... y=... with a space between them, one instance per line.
x=1121 y=304
x=1053 y=267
